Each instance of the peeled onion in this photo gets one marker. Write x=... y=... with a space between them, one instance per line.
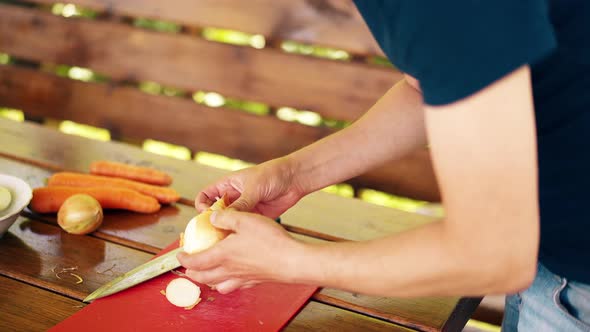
x=200 y=234
x=183 y=293
x=80 y=214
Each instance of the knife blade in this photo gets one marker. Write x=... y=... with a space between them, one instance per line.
x=146 y=271
x=153 y=268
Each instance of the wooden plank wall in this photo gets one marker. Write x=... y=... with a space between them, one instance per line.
x=341 y=90
x=335 y=89
x=334 y=23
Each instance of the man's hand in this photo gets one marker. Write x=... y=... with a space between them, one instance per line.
x=258 y=250
x=268 y=189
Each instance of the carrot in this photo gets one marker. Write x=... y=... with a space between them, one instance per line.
x=50 y=199
x=130 y=172
x=163 y=195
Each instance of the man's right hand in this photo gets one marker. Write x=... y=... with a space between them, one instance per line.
x=268 y=189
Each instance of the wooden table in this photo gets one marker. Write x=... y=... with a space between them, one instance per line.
x=33 y=298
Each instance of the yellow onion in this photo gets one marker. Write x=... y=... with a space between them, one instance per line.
x=200 y=234
x=80 y=214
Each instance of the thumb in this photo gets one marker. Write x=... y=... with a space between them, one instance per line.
x=228 y=219
x=246 y=202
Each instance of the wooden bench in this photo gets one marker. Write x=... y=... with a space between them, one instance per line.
x=114 y=45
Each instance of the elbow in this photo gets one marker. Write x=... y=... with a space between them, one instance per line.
x=508 y=273
x=501 y=266
x=512 y=277
x=502 y=256
x=525 y=281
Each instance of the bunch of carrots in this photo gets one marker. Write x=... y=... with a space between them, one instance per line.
x=114 y=185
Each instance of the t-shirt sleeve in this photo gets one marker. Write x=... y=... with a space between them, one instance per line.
x=456 y=48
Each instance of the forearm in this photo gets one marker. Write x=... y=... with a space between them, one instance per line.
x=425 y=261
x=393 y=127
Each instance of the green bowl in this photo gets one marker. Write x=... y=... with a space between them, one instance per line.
x=21 y=196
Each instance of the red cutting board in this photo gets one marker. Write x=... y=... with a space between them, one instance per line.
x=265 y=307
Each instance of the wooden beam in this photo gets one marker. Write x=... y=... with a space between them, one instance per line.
x=128 y=112
x=334 y=23
x=335 y=89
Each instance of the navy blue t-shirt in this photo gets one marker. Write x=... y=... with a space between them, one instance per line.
x=456 y=48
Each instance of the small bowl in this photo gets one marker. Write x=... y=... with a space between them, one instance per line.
x=21 y=196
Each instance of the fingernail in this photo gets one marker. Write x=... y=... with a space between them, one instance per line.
x=213 y=217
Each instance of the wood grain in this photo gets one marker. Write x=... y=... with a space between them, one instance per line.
x=334 y=23
x=317 y=317
x=413 y=176
x=54 y=150
x=425 y=314
x=45 y=256
x=130 y=113
x=25 y=308
x=336 y=89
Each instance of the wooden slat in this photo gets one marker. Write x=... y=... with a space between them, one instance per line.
x=25 y=308
x=317 y=317
x=325 y=213
x=345 y=218
x=131 y=113
x=413 y=177
x=338 y=90
x=416 y=312
x=31 y=141
x=350 y=219
x=424 y=314
x=334 y=23
x=35 y=252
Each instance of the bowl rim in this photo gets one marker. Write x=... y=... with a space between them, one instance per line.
x=23 y=188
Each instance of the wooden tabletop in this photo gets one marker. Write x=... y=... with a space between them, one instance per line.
x=34 y=296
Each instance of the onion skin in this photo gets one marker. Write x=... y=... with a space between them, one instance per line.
x=80 y=214
x=200 y=234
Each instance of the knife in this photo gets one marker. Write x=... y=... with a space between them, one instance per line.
x=146 y=271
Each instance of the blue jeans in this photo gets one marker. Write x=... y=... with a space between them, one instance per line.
x=551 y=303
